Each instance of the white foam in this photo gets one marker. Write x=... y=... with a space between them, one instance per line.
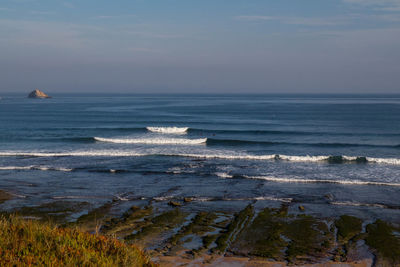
x=286 y=200
x=301 y=180
x=202 y=199
x=163 y=198
x=154 y=141
x=32 y=167
x=175 y=170
x=121 y=198
x=223 y=175
x=357 y=204
x=68 y=197
x=44 y=168
x=384 y=160
x=94 y=153
x=303 y=158
x=16 y=167
x=349 y=158
x=17 y=195
x=224 y=156
x=168 y=130
x=78 y=197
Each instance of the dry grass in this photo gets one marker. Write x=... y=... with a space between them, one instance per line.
x=33 y=243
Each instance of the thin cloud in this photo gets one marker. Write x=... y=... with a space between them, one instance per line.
x=295 y=20
x=254 y=17
x=113 y=16
x=41 y=12
x=329 y=21
x=155 y=35
x=382 y=5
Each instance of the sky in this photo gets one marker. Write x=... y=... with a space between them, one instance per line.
x=200 y=46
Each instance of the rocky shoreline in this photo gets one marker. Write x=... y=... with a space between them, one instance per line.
x=250 y=237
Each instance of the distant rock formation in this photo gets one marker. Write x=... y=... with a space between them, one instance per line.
x=38 y=94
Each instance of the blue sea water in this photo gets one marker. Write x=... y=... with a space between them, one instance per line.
x=334 y=154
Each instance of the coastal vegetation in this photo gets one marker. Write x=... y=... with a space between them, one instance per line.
x=33 y=243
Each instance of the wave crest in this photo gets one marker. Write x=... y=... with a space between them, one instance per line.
x=119 y=153
x=301 y=180
x=32 y=167
x=168 y=130
x=153 y=141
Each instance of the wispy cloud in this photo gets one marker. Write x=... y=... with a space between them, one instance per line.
x=296 y=20
x=58 y=35
x=114 y=16
x=34 y=12
x=328 y=21
x=154 y=35
x=254 y=17
x=383 y=5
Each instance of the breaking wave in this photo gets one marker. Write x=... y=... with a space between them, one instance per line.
x=154 y=141
x=32 y=167
x=358 y=204
x=229 y=142
x=223 y=175
x=168 y=130
x=271 y=157
x=301 y=180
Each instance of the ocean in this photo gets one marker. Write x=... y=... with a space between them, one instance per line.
x=334 y=154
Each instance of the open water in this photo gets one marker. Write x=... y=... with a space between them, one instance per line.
x=334 y=154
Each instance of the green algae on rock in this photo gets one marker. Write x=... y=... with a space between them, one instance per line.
x=57 y=211
x=199 y=225
x=310 y=239
x=276 y=235
x=381 y=237
x=348 y=227
x=132 y=219
x=239 y=222
x=94 y=218
x=262 y=238
x=161 y=223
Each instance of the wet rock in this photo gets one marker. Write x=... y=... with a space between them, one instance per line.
x=187 y=199
x=382 y=238
x=56 y=211
x=348 y=227
x=174 y=203
x=4 y=196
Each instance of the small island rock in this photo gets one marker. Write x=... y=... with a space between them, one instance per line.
x=38 y=94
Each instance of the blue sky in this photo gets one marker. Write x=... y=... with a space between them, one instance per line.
x=222 y=46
